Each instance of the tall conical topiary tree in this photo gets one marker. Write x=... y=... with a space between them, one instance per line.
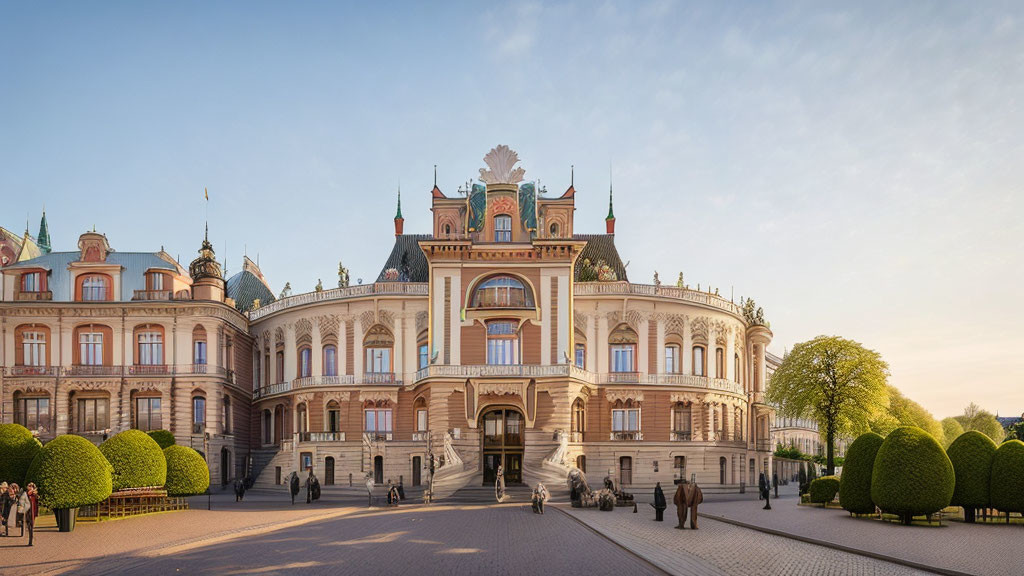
x=137 y=459
x=912 y=475
x=1007 y=483
x=971 y=454
x=855 y=483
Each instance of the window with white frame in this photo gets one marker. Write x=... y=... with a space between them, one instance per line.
x=672 y=359
x=699 y=369
x=424 y=355
x=33 y=347
x=625 y=417
x=94 y=289
x=330 y=360
x=147 y=414
x=581 y=356
x=31 y=282
x=503 y=228
x=421 y=420
x=502 y=342
x=151 y=348
x=90 y=346
x=305 y=362
x=378 y=422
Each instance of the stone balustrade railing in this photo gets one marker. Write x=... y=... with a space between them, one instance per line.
x=375 y=289
x=674 y=292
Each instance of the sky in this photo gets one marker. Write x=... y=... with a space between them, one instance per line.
x=857 y=168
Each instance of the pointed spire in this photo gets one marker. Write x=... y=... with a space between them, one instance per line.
x=43 y=239
x=609 y=220
x=399 y=220
x=398 y=214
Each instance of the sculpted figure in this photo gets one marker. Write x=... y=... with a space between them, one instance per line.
x=659 y=504
x=688 y=496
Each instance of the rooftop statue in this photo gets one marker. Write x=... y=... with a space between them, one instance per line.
x=319 y=285
x=501 y=161
x=679 y=282
x=342 y=276
x=657 y=281
x=287 y=290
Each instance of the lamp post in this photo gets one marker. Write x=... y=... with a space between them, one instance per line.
x=206 y=456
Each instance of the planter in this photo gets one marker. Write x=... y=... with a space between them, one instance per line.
x=65 y=519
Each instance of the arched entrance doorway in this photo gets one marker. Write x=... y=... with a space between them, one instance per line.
x=225 y=466
x=378 y=470
x=417 y=465
x=503 y=444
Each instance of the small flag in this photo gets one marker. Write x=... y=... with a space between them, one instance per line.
x=207 y=194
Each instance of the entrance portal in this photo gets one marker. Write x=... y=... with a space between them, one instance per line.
x=378 y=470
x=503 y=444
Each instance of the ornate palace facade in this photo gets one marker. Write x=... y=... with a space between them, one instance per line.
x=503 y=336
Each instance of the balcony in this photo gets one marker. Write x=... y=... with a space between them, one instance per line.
x=377 y=436
x=379 y=378
x=420 y=436
x=93 y=370
x=575 y=436
x=687 y=380
x=152 y=295
x=621 y=378
x=502 y=371
x=198 y=427
x=321 y=436
x=682 y=435
x=149 y=370
x=627 y=435
x=669 y=292
x=33 y=371
x=35 y=296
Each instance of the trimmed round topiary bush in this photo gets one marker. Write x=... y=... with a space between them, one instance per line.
x=187 y=473
x=1007 y=481
x=912 y=475
x=971 y=454
x=163 y=438
x=18 y=448
x=855 y=484
x=70 y=472
x=823 y=490
x=137 y=459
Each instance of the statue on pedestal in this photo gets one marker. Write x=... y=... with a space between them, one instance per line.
x=688 y=496
x=659 y=504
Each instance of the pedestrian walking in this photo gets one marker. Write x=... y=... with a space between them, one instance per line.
x=401 y=489
x=775 y=483
x=5 y=505
x=32 y=512
x=293 y=485
x=11 y=508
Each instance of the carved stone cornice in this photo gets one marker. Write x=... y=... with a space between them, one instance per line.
x=378 y=396
x=624 y=394
x=500 y=389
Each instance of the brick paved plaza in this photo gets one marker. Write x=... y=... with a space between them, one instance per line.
x=339 y=535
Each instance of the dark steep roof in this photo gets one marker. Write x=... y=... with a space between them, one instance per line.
x=600 y=247
x=408 y=259
x=245 y=287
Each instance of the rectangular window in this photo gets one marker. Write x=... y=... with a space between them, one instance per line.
x=502 y=343
x=626 y=420
x=30 y=282
x=93 y=415
x=156 y=281
x=199 y=352
x=622 y=358
x=33 y=413
x=502 y=228
x=198 y=414
x=719 y=363
x=378 y=422
x=378 y=360
x=581 y=356
x=424 y=356
x=94 y=289
x=151 y=349
x=671 y=359
x=421 y=420
x=147 y=414
x=280 y=366
x=334 y=420
x=91 y=348
x=33 y=347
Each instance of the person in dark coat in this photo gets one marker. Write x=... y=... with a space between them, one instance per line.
x=401 y=490
x=32 y=512
x=239 y=489
x=293 y=485
x=659 y=503
x=309 y=487
x=688 y=496
x=760 y=486
x=5 y=504
x=775 y=483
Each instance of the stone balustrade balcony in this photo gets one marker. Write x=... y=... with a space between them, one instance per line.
x=34 y=296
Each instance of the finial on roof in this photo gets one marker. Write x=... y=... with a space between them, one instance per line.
x=435 y=175
x=399 y=220
x=610 y=219
x=572 y=175
x=43 y=238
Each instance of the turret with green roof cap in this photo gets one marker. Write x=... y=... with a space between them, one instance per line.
x=399 y=220
x=609 y=221
x=43 y=239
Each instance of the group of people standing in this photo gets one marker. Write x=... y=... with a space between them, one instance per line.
x=312 y=486
x=19 y=507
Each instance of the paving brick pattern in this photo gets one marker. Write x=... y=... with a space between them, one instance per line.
x=719 y=548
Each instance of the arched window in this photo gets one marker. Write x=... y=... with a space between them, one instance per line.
x=502 y=292
x=625 y=420
x=94 y=288
x=682 y=421
x=447 y=229
x=699 y=367
x=503 y=228
x=622 y=349
x=198 y=414
x=280 y=365
x=199 y=345
x=378 y=344
x=554 y=230
x=502 y=342
x=330 y=360
x=719 y=363
x=579 y=420
x=736 y=369
x=305 y=361
x=721 y=470
x=333 y=416
x=422 y=351
x=672 y=359
x=301 y=415
x=581 y=463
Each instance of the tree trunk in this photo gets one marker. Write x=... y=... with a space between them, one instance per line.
x=830 y=467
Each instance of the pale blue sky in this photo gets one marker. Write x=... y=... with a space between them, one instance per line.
x=857 y=168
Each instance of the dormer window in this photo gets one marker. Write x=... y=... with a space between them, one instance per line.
x=503 y=228
x=502 y=292
x=155 y=281
x=94 y=288
x=554 y=230
x=31 y=282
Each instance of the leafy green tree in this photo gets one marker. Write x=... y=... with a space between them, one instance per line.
x=1015 y=431
x=951 y=430
x=974 y=418
x=837 y=382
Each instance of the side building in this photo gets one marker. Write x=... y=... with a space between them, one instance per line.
x=96 y=341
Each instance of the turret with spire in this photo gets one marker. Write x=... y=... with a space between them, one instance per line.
x=43 y=239
x=609 y=221
x=399 y=220
x=207 y=279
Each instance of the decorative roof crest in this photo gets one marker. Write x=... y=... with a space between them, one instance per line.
x=502 y=160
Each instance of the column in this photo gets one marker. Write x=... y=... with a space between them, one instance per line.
x=687 y=351
x=730 y=353
x=601 y=345
x=357 y=345
x=660 y=343
x=399 y=351
x=544 y=301
x=290 y=371
x=712 y=355
x=592 y=345
x=643 y=364
x=762 y=369
x=343 y=347
x=317 y=353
